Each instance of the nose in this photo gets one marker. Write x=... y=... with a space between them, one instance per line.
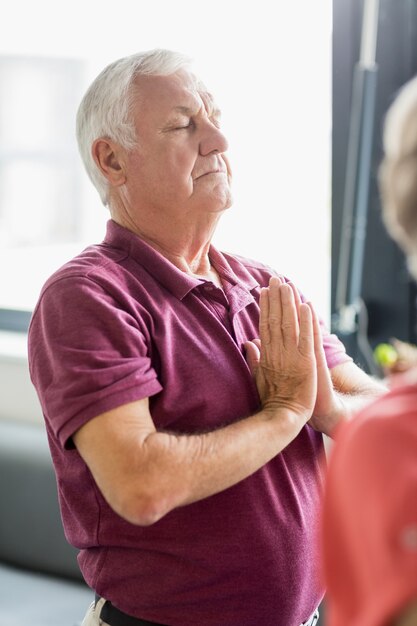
x=213 y=140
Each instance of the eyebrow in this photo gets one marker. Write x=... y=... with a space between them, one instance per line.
x=215 y=111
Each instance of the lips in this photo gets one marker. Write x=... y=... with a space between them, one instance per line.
x=215 y=171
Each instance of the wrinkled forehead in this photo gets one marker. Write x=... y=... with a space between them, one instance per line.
x=206 y=95
x=181 y=89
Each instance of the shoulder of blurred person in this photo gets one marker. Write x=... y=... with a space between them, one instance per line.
x=369 y=530
x=369 y=525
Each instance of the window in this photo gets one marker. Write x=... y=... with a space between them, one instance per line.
x=39 y=177
x=40 y=174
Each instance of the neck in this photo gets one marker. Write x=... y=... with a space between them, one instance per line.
x=185 y=245
x=190 y=258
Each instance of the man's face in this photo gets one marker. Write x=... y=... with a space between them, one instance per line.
x=179 y=166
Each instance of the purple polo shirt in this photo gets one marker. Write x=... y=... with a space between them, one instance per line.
x=119 y=323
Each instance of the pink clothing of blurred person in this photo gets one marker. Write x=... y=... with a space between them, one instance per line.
x=369 y=533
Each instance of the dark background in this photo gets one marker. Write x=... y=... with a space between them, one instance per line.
x=387 y=289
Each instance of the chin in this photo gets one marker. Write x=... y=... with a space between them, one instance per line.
x=215 y=200
x=223 y=200
x=219 y=208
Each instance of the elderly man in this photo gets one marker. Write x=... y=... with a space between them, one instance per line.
x=188 y=476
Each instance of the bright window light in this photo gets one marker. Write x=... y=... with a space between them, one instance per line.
x=268 y=63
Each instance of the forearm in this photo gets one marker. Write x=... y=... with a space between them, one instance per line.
x=360 y=395
x=350 y=404
x=174 y=470
x=347 y=397
x=341 y=394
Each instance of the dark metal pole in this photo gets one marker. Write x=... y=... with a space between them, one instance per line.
x=356 y=198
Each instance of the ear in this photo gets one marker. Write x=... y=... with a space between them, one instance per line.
x=108 y=156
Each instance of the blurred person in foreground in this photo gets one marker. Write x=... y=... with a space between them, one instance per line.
x=369 y=534
x=185 y=390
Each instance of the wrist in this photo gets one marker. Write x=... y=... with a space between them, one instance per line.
x=340 y=413
x=283 y=419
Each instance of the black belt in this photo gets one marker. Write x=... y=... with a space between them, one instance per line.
x=115 y=617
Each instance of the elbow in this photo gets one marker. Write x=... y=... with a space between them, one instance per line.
x=143 y=509
x=144 y=513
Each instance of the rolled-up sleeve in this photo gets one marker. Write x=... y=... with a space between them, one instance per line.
x=87 y=355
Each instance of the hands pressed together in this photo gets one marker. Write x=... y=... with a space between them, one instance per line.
x=288 y=360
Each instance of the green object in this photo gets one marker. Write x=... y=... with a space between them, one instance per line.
x=385 y=354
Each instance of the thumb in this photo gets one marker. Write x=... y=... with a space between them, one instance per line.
x=252 y=355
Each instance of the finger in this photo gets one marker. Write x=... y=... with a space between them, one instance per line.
x=257 y=343
x=252 y=355
x=275 y=310
x=318 y=342
x=306 y=341
x=289 y=323
x=264 y=316
x=317 y=330
x=297 y=297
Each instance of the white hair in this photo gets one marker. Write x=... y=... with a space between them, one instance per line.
x=398 y=172
x=105 y=110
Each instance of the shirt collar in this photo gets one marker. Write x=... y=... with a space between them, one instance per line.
x=171 y=277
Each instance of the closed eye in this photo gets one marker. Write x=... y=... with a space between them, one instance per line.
x=190 y=124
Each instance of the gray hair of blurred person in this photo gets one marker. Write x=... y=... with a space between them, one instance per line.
x=106 y=108
x=398 y=172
